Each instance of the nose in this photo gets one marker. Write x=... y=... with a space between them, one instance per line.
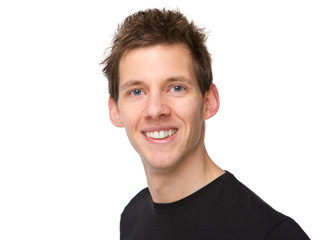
x=156 y=106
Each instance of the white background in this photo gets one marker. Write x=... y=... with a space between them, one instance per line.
x=66 y=172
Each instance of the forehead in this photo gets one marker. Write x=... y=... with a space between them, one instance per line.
x=156 y=63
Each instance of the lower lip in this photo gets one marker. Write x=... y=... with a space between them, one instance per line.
x=161 y=141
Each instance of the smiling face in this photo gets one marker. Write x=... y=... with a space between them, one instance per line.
x=160 y=105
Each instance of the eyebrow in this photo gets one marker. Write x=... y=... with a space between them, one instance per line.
x=132 y=83
x=180 y=79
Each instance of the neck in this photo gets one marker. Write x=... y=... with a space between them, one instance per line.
x=191 y=175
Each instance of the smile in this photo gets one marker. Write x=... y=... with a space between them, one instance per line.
x=160 y=134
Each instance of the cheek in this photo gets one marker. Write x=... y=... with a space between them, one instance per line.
x=189 y=110
x=129 y=117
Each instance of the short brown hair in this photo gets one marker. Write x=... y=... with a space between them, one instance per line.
x=152 y=27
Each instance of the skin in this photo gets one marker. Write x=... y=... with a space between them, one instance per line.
x=159 y=91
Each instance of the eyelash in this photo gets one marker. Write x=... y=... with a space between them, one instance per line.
x=138 y=92
x=132 y=92
x=175 y=86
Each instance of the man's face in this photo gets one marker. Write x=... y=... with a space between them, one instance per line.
x=160 y=104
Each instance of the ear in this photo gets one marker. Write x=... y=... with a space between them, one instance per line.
x=211 y=102
x=114 y=113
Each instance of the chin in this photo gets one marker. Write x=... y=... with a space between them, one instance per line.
x=160 y=163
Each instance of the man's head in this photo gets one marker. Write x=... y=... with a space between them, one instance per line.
x=153 y=27
x=161 y=88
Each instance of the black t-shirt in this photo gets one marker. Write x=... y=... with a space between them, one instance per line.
x=223 y=209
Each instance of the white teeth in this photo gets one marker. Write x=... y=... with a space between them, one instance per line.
x=160 y=135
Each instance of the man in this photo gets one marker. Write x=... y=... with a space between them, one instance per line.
x=161 y=92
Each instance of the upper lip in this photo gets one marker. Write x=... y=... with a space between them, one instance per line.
x=159 y=128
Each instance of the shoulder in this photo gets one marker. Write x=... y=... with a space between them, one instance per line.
x=138 y=201
x=287 y=229
x=255 y=210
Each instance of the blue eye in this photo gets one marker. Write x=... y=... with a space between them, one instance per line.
x=177 y=88
x=136 y=92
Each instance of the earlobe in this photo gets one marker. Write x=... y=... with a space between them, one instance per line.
x=211 y=102
x=114 y=113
